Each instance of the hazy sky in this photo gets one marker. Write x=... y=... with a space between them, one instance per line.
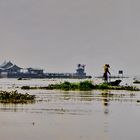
x=58 y=34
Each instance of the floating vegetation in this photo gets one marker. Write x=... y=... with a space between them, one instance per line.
x=15 y=97
x=106 y=86
x=82 y=86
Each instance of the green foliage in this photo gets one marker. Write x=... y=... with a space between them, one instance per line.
x=107 y=86
x=15 y=97
x=103 y=86
x=85 y=85
x=131 y=88
x=82 y=86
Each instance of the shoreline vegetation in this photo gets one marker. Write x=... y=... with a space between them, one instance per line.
x=15 y=97
x=82 y=86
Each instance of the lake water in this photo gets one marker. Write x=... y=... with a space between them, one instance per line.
x=61 y=115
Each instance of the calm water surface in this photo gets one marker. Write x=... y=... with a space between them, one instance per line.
x=59 y=115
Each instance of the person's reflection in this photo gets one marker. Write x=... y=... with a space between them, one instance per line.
x=105 y=99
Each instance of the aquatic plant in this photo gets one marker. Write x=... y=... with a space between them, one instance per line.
x=15 y=97
x=102 y=86
x=85 y=85
x=108 y=86
x=82 y=86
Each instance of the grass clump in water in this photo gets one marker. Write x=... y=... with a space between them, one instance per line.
x=82 y=86
x=85 y=85
x=103 y=86
x=107 y=86
x=15 y=97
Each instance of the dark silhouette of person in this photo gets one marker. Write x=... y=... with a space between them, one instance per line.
x=106 y=72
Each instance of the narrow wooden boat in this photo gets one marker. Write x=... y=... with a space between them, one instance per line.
x=136 y=82
x=115 y=83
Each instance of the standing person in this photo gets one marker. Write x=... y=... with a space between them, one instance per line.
x=106 y=72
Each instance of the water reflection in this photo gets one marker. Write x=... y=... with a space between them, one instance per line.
x=86 y=96
x=105 y=98
x=7 y=107
x=105 y=101
x=71 y=101
x=86 y=115
x=93 y=114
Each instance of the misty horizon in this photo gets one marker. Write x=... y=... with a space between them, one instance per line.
x=59 y=34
